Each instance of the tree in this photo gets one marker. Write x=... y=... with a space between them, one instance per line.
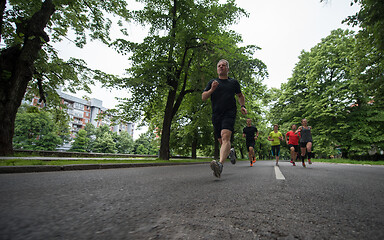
x=324 y=88
x=124 y=142
x=186 y=39
x=104 y=143
x=191 y=126
x=371 y=19
x=61 y=120
x=367 y=75
x=146 y=144
x=81 y=142
x=26 y=58
x=369 y=68
x=319 y=90
x=35 y=130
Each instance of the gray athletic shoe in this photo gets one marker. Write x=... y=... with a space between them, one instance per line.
x=232 y=156
x=217 y=168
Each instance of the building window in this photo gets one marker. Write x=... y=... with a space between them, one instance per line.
x=78 y=106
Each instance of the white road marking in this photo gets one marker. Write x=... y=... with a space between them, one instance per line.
x=279 y=175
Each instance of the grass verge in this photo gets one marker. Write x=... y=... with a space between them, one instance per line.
x=349 y=161
x=24 y=162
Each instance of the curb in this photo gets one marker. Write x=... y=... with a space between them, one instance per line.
x=75 y=167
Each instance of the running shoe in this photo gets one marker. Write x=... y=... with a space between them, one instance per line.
x=251 y=163
x=291 y=161
x=213 y=167
x=232 y=156
x=217 y=168
x=303 y=164
x=294 y=164
x=277 y=164
x=254 y=159
x=309 y=161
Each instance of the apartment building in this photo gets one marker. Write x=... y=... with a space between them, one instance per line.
x=82 y=111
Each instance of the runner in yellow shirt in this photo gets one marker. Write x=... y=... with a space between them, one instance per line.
x=275 y=137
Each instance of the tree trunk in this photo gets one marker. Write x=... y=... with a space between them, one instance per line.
x=241 y=153
x=194 y=147
x=17 y=68
x=166 y=131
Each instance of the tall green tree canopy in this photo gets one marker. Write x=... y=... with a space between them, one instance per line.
x=27 y=58
x=36 y=130
x=370 y=39
x=178 y=57
x=81 y=142
x=371 y=20
x=323 y=89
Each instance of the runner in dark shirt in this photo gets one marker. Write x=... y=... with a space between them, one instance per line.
x=305 y=141
x=251 y=134
x=222 y=91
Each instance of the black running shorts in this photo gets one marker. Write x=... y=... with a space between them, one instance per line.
x=276 y=150
x=295 y=146
x=303 y=144
x=224 y=122
x=250 y=144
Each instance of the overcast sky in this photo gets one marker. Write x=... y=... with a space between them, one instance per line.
x=282 y=28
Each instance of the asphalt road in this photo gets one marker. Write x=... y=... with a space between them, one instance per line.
x=323 y=201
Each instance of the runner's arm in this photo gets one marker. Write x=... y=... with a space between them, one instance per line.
x=242 y=103
x=206 y=94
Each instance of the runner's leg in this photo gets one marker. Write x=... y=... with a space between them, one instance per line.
x=225 y=144
x=309 y=151
x=277 y=154
x=292 y=153
x=252 y=150
x=303 y=151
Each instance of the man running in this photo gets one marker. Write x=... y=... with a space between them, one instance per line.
x=305 y=141
x=250 y=134
x=222 y=91
x=292 y=140
x=275 y=136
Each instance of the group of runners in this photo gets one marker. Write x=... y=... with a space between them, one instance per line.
x=296 y=138
x=222 y=91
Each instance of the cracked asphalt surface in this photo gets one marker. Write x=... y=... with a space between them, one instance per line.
x=323 y=201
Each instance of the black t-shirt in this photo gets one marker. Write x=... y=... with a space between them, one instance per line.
x=250 y=133
x=223 y=98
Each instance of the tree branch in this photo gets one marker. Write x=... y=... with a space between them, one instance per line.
x=2 y=9
x=182 y=92
x=39 y=78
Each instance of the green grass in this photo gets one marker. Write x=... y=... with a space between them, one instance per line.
x=335 y=160
x=34 y=154
x=24 y=162
x=349 y=161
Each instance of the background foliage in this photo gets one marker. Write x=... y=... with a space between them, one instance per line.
x=336 y=85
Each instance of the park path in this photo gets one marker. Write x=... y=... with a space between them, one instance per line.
x=323 y=201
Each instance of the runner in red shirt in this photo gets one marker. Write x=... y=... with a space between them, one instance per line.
x=293 y=143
